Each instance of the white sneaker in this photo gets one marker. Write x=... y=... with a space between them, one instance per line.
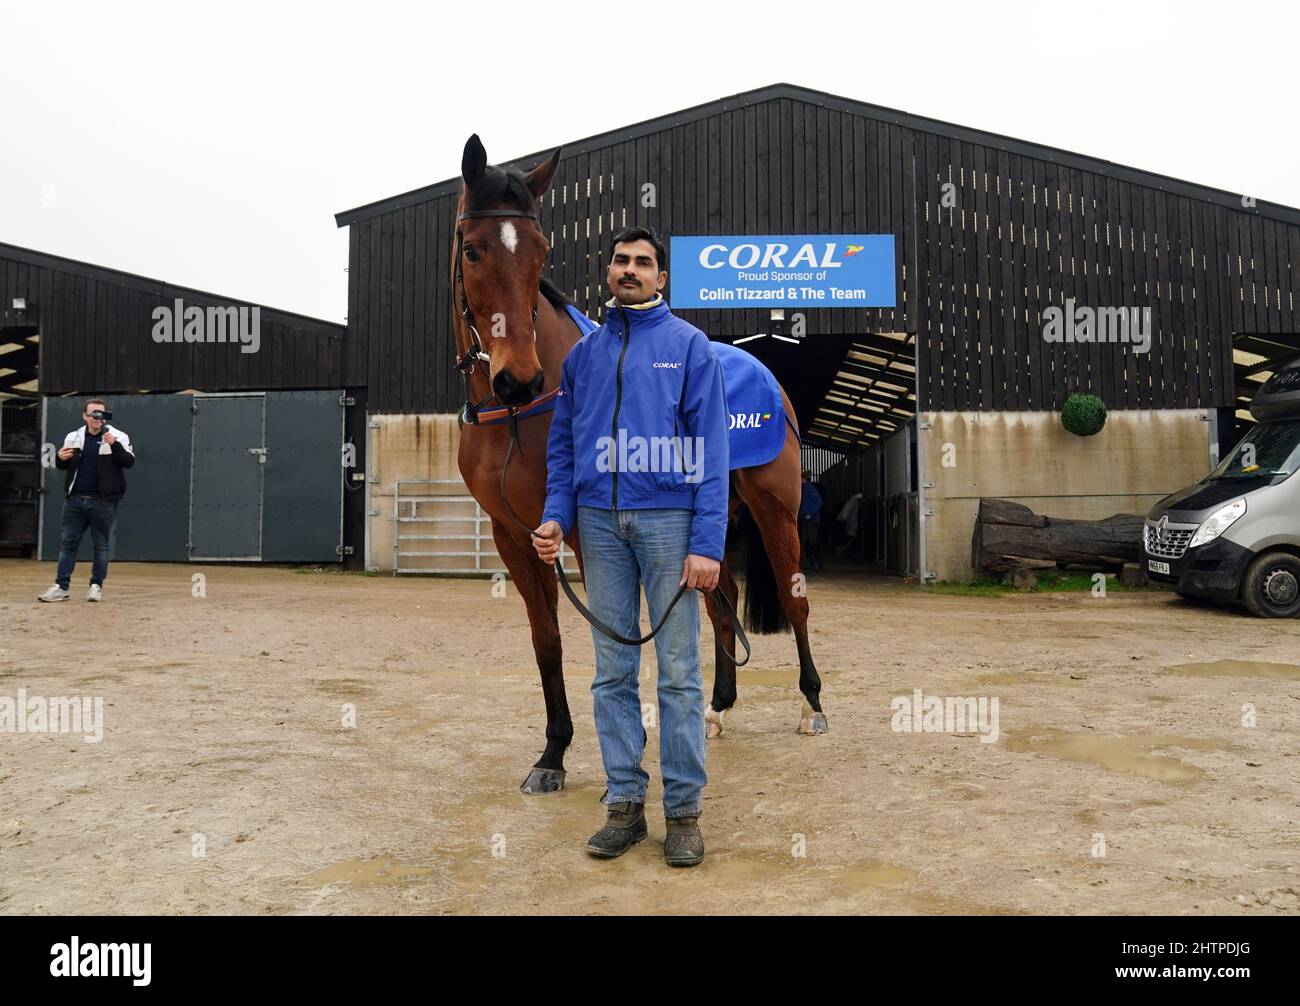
x=55 y=593
x=94 y=593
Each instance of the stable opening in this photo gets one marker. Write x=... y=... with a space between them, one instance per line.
x=20 y=466
x=855 y=396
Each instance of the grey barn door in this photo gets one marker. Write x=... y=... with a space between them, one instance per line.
x=302 y=507
x=268 y=479
x=153 y=519
x=199 y=490
x=227 y=476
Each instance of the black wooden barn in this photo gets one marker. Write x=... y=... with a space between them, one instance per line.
x=990 y=233
x=1023 y=227
x=70 y=329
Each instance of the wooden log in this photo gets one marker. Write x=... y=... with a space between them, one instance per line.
x=1133 y=575
x=1009 y=536
x=993 y=511
x=1024 y=579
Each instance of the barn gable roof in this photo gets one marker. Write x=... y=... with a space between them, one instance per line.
x=878 y=113
x=161 y=288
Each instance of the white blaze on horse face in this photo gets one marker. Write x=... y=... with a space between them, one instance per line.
x=509 y=236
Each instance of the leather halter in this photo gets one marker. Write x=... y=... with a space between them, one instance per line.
x=468 y=361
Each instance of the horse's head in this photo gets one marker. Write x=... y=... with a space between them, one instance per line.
x=500 y=266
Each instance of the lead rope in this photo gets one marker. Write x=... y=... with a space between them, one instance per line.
x=718 y=595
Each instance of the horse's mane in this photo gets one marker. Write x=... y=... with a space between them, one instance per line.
x=555 y=295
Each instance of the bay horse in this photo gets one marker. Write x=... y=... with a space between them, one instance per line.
x=498 y=291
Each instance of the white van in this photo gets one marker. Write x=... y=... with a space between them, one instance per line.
x=1235 y=535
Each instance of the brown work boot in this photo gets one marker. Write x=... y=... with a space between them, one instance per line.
x=683 y=845
x=624 y=827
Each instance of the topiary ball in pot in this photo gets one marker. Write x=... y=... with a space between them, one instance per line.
x=1083 y=415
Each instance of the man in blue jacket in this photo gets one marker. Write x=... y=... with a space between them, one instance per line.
x=638 y=458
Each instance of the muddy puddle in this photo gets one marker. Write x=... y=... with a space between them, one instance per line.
x=377 y=871
x=1238 y=669
x=1128 y=754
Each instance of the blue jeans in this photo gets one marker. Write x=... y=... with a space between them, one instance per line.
x=621 y=550
x=79 y=513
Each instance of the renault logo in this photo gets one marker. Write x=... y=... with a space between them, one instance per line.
x=1162 y=529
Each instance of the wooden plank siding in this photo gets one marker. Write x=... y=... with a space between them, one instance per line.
x=96 y=333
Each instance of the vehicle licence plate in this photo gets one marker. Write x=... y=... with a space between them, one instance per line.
x=1158 y=567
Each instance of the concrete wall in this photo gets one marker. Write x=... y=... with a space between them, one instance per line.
x=419 y=447
x=409 y=447
x=1138 y=458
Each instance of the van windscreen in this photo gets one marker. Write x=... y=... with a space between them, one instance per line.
x=1268 y=450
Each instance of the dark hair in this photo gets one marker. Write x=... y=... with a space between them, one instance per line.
x=642 y=234
x=85 y=406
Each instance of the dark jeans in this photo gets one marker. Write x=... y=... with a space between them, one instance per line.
x=79 y=513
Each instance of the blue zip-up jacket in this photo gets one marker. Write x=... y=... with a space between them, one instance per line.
x=641 y=421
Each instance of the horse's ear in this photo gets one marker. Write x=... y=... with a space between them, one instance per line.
x=473 y=162
x=539 y=179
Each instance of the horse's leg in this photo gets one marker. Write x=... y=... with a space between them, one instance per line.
x=724 y=646
x=537 y=586
x=780 y=530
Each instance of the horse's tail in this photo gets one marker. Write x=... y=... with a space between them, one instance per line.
x=763 y=612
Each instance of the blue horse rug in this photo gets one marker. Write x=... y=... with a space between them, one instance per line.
x=756 y=418
x=585 y=325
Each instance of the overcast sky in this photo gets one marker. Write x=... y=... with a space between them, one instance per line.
x=210 y=144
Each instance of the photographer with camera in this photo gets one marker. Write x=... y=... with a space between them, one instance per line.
x=92 y=457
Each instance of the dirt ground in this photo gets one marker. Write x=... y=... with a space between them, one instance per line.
x=224 y=735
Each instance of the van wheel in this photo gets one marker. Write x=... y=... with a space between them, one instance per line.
x=1271 y=586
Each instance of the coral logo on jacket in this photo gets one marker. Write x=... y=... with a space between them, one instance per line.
x=747 y=420
x=667 y=364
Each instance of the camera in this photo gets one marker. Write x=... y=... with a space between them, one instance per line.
x=101 y=414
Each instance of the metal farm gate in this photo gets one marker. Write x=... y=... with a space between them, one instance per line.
x=439 y=528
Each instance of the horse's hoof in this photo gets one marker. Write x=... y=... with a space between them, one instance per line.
x=543 y=780
x=812 y=724
x=713 y=722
